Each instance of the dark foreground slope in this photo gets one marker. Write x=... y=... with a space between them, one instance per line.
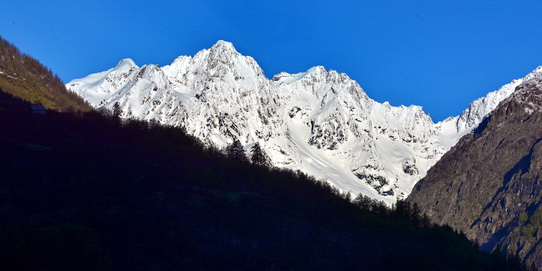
x=26 y=78
x=489 y=185
x=90 y=193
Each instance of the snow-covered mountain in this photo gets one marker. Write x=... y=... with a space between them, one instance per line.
x=456 y=127
x=320 y=121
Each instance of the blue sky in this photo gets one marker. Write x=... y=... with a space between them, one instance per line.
x=438 y=54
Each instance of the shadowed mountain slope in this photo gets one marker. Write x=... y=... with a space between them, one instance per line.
x=489 y=184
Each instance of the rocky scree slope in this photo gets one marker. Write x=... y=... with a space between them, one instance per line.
x=319 y=122
x=489 y=184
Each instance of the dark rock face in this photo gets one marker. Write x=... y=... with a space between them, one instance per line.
x=489 y=184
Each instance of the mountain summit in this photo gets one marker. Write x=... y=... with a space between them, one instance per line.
x=320 y=122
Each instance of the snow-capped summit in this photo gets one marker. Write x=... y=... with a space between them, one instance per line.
x=454 y=127
x=127 y=62
x=320 y=122
x=224 y=45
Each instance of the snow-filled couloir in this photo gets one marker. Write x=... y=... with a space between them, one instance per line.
x=320 y=121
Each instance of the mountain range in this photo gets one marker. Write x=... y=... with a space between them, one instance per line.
x=82 y=190
x=319 y=122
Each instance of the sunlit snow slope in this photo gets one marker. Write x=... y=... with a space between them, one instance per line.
x=319 y=122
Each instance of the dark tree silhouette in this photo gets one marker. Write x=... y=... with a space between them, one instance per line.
x=258 y=156
x=235 y=151
x=117 y=111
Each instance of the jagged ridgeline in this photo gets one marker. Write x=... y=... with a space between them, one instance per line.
x=24 y=77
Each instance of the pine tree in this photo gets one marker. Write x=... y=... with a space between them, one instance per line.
x=117 y=111
x=258 y=156
x=235 y=151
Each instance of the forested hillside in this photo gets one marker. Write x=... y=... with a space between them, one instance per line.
x=26 y=78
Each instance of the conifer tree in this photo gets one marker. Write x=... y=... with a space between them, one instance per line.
x=235 y=151
x=117 y=111
x=258 y=156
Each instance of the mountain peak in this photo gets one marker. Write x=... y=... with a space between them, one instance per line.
x=316 y=69
x=535 y=73
x=285 y=77
x=223 y=45
x=128 y=62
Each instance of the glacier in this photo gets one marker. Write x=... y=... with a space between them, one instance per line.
x=319 y=122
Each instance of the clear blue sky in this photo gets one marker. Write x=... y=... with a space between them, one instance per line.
x=437 y=54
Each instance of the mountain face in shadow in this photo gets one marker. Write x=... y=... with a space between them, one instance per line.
x=489 y=184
